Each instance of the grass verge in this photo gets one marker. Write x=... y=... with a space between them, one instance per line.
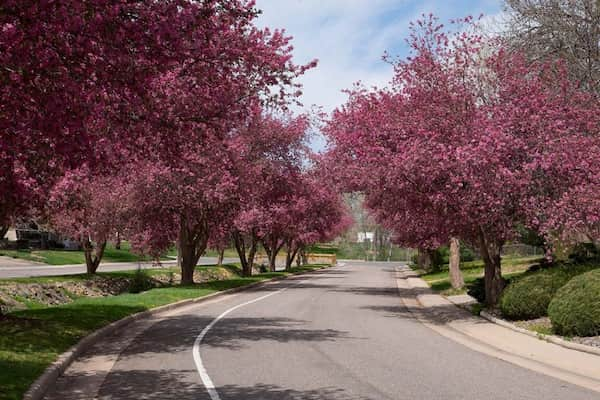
x=32 y=339
x=440 y=281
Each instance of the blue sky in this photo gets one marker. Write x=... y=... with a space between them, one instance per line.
x=348 y=37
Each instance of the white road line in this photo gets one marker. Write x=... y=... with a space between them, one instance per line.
x=208 y=383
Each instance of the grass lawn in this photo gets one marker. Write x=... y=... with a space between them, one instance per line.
x=229 y=253
x=440 y=281
x=63 y=257
x=32 y=339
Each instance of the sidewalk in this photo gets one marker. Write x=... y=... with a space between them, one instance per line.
x=441 y=315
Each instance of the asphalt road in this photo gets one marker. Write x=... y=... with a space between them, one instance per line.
x=337 y=334
x=29 y=270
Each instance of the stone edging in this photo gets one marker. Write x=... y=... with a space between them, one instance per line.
x=40 y=386
x=548 y=338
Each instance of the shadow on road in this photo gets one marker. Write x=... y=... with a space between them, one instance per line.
x=438 y=315
x=271 y=392
x=183 y=385
x=229 y=333
x=232 y=332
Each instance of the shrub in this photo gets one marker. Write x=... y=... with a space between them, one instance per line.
x=528 y=296
x=476 y=289
x=466 y=253
x=141 y=282
x=582 y=252
x=575 y=309
x=429 y=260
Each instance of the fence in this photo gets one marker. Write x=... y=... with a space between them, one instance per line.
x=311 y=258
x=521 y=250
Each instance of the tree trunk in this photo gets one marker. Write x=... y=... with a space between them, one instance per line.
x=272 y=261
x=240 y=248
x=272 y=247
x=247 y=260
x=299 y=257
x=290 y=255
x=424 y=259
x=118 y=241
x=192 y=243
x=494 y=282
x=189 y=260
x=251 y=254
x=304 y=257
x=93 y=256
x=456 y=278
x=3 y=231
x=220 y=257
x=435 y=258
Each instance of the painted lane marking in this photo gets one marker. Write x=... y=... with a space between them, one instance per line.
x=206 y=380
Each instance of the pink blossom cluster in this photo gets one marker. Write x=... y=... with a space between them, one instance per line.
x=155 y=120
x=469 y=140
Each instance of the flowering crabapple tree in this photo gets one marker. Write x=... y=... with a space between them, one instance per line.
x=317 y=215
x=573 y=215
x=72 y=72
x=220 y=239
x=90 y=210
x=272 y=149
x=196 y=109
x=468 y=141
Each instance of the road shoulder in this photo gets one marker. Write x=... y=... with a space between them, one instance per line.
x=91 y=369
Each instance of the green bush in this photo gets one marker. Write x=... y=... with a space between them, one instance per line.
x=476 y=289
x=466 y=254
x=575 y=309
x=583 y=252
x=141 y=282
x=528 y=296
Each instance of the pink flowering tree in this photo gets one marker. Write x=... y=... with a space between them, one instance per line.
x=317 y=214
x=88 y=210
x=197 y=110
x=74 y=77
x=573 y=215
x=271 y=151
x=467 y=141
x=220 y=239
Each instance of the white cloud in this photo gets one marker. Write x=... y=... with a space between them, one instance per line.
x=349 y=37
x=341 y=34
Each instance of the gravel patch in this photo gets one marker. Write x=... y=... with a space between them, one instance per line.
x=588 y=341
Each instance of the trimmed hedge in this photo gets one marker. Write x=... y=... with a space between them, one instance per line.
x=528 y=296
x=575 y=309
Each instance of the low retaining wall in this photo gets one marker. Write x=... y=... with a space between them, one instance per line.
x=311 y=258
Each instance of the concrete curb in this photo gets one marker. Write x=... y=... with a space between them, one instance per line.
x=548 y=338
x=40 y=386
